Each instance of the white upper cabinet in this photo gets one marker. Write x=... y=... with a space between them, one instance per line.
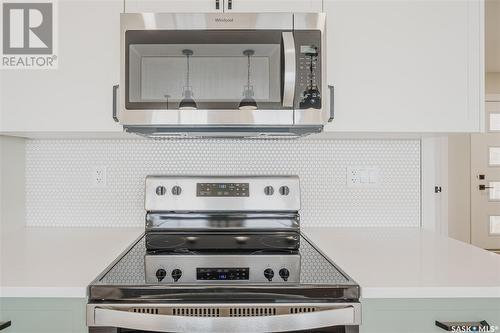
x=236 y=6
x=174 y=6
x=406 y=66
x=258 y=6
x=77 y=96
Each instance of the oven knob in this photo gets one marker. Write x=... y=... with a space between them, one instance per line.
x=284 y=273
x=269 y=274
x=284 y=190
x=176 y=274
x=176 y=190
x=160 y=274
x=161 y=190
x=269 y=190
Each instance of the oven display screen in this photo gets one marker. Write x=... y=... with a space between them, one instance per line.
x=222 y=274
x=222 y=190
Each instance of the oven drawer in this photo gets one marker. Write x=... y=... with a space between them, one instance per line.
x=221 y=318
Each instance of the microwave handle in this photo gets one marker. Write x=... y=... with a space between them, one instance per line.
x=332 y=103
x=115 y=102
x=289 y=68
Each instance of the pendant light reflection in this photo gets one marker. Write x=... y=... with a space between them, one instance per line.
x=248 y=102
x=187 y=102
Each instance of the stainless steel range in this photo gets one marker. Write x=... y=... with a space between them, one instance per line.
x=223 y=254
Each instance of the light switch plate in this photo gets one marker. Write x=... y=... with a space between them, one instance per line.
x=362 y=176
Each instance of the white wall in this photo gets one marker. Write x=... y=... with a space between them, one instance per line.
x=60 y=193
x=459 y=187
x=493 y=83
x=12 y=195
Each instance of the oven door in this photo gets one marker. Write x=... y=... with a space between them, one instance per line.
x=207 y=69
x=231 y=318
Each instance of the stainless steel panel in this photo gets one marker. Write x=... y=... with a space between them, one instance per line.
x=161 y=317
x=313 y=116
x=226 y=222
x=204 y=117
x=188 y=200
x=256 y=264
x=206 y=21
x=309 y=21
x=289 y=69
x=224 y=132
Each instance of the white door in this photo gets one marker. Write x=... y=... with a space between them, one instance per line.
x=405 y=66
x=77 y=96
x=485 y=182
x=173 y=6
x=283 y=6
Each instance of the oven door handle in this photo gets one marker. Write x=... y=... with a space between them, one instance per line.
x=289 y=68
x=343 y=315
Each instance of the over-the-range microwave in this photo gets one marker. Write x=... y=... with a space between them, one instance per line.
x=223 y=75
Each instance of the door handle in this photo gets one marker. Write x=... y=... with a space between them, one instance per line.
x=332 y=103
x=484 y=187
x=4 y=324
x=289 y=68
x=343 y=315
x=115 y=102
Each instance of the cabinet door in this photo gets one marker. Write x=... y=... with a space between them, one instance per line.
x=173 y=6
x=44 y=315
x=420 y=315
x=406 y=66
x=77 y=96
x=260 y=6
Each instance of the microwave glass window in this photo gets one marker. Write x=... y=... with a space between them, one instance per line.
x=216 y=72
x=219 y=71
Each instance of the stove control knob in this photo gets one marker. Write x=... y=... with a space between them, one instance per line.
x=284 y=190
x=269 y=190
x=284 y=273
x=176 y=274
x=176 y=190
x=269 y=274
x=161 y=190
x=160 y=274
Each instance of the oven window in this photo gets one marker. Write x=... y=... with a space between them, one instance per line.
x=203 y=70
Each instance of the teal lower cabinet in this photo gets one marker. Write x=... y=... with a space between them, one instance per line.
x=420 y=315
x=43 y=315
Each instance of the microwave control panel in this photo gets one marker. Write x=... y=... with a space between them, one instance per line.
x=308 y=77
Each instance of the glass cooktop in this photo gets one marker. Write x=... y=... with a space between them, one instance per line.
x=129 y=269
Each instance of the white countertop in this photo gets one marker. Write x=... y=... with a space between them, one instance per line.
x=386 y=262
x=57 y=262
x=409 y=262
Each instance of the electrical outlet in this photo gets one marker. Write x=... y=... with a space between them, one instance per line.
x=99 y=176
x=362 y=176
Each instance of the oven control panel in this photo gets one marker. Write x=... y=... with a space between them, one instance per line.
x=223 y=193
x=221 y=268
